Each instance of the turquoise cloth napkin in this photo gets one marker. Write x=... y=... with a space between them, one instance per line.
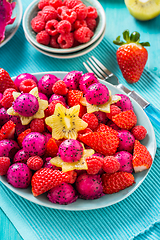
x=136 y=217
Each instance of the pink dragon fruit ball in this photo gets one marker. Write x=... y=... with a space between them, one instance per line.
x=97 y=94
x=19 y=175
x=70 y=150
x=126 y=142
x=43 y=96
x=46 y=83
x=8 y=148
x=57 y=97
x=63 y=194
x=21 y=156
x=72 y=79
x=89 y=186
x=24 y=76
x=26 y=105
x=125 y=103
x=4 y=116
x=101 y=116
x=125 y=160
x=86 y=80
x=34 y=144
x=47 y=136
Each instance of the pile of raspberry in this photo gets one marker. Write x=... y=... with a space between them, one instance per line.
x=64 y=24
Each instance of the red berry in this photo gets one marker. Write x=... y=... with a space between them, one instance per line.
x=126 y=119
x=56 y=3
x=35 y=163
x=51 y=148
x=83 y=34
x=37 y=125
x=64 y=27
x=66 y=40
x=110 y=164
x=72 y=176
x=81 y=11
x=43 y=3
x=22 y=135
x=92 y=12
x=53 y=41
x=69 y=15
x=5 y=81
x=72 y=3
x=91 y=119
x=74 y=97
x=60 y=88
x=37 y=24
x=79 y=23
x=91 y=23
x=139 y=132
x=4 y=165
x=27 y=85
x=49 y=13
x=43 y=37
x=7 y=100
x=52 y=105
x=114 y=110
x=51 y=27
x=7 y=131
x=8 y=91
x=60 y=10
x=94 y=164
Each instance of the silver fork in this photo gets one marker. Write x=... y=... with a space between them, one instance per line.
x=95 y=66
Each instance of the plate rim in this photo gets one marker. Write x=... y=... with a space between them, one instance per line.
x=17 y=26
x=69 y=207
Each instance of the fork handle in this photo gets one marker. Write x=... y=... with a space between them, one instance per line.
x=153 y=113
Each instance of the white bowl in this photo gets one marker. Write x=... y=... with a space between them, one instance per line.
x=31 y=12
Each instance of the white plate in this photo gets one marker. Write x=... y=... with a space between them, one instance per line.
x=108 y=199
x=12 y=29
x=71 y=55
x=31 y=12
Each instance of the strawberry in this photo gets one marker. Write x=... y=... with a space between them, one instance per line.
x=7 y=131
x=116 y=182
x=51 y=148
x=105 y=143
x=35 y=163
x=74 y=97
x=139 y=132
x=45 y=179
x=5 y=81
x=4 y=165
x=94 y=164
x=131 y=56
x=126 y=120
x=110 y=164
x=104 y=128
x=22 y=135
x=142 y=159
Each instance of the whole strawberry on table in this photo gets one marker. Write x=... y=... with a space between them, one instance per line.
x=131 y=56
x=70 y=138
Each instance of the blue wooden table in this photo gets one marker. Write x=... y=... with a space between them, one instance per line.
x=118 y=19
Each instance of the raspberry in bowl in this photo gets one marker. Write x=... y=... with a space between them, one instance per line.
x=64 y=26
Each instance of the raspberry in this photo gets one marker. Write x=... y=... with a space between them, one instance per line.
x=43 y=38
x=60 y=88
x=37 y=24
x=81 y=11
x=53 y=41
x=91 y=119
x=114 y=110
x=72 y=3
x=22 y=135
x=4 y=165
x=92 y=12
x=69 y=15
x=66 y=40
x=56 y=3
x=74 y=97
x=79 y=23
x=94 y=164
x=35 y=163
x=110 y=164
x=91 y=23
x=51 y=106
x=83 y=34
x=72 y=176
x=8 y=91
x=27 y=85
x=139 y=132
x=49 y=13
x=60 y=10
x=43 y=3
x=7 y=100
x=51 y=27
x=64 y=27
x=37 y=125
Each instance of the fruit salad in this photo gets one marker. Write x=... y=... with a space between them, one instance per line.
x=6 y=8
x=70 y=138
x=64 y=24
